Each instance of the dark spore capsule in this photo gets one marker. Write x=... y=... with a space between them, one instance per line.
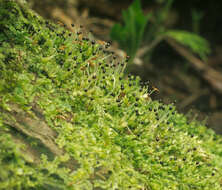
x=44 y=73
x=61 y=63
x=109 y=43
x=78 y=33
x=41 y=41
x=93 y=42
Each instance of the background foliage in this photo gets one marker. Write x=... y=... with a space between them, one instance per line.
x=130 y=35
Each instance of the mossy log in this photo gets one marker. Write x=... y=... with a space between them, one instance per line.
x=71 y=119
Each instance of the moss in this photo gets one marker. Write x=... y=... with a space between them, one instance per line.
x=105 y=121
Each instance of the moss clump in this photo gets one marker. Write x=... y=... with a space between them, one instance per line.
x=117 y=136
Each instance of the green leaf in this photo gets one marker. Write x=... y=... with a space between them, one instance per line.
x=129 y=35
x=196 y=43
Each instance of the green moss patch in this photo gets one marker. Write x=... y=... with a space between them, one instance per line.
x=104 y=121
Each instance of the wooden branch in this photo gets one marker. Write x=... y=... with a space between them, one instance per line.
x=213 y=77
x=34 y=125
x=107 y=8
x=142 y=51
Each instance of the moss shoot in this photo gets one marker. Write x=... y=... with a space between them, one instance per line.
x=113 y=134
